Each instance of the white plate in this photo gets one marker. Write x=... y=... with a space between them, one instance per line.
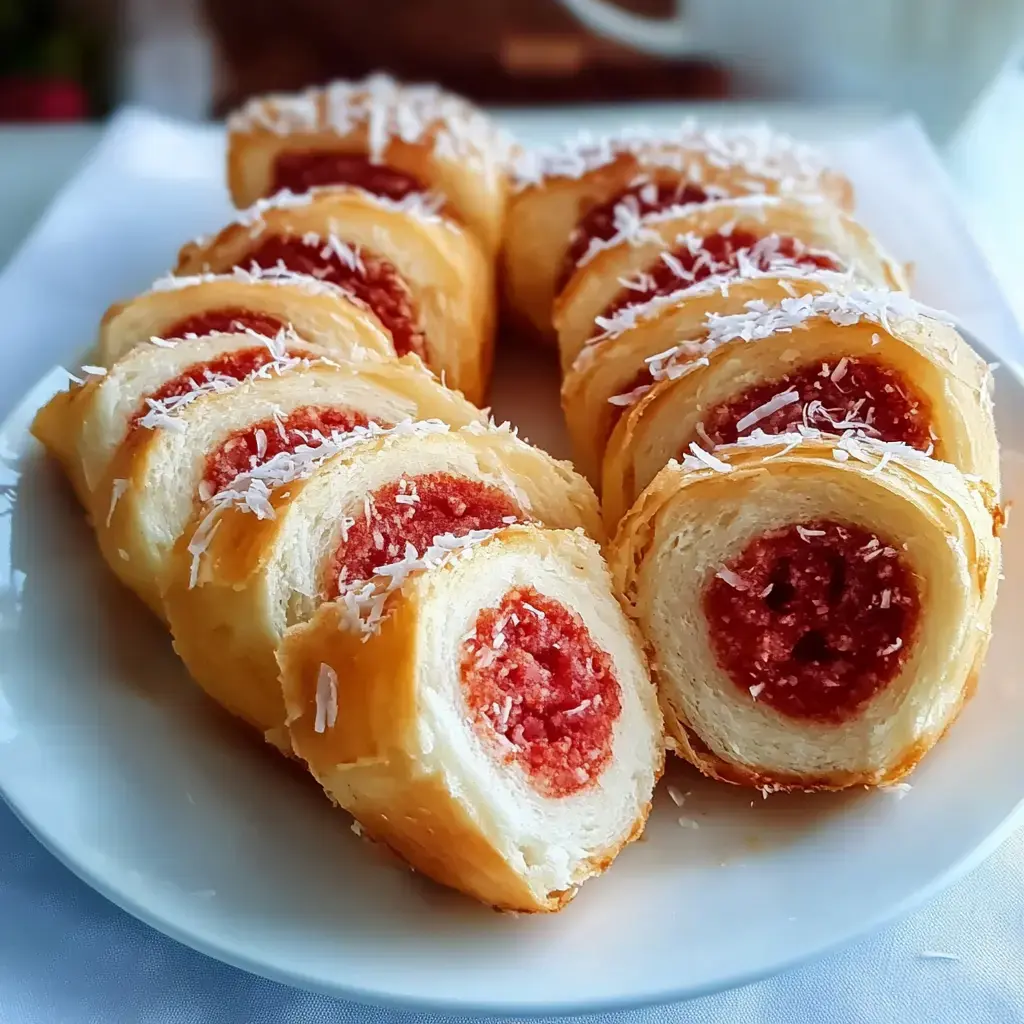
x=160 y=802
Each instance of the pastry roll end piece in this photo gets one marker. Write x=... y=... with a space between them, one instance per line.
x=572 y=197
x=816 y=611
x=496 y=727
x=379 y=135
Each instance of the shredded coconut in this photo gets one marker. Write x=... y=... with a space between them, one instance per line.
x=326 y=698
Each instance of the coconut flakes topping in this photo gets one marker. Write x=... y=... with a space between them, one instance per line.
x=326 y=698
x=117 y=490
x=626 y=318
x=362 y=601
x=762 y=320
x=250 y=491
x=756 y=149
x=386 y=110
x=773 y=405
x=161 y=412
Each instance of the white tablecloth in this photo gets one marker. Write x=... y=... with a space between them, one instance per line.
x=68 y=955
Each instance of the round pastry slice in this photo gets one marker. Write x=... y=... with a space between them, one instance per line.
x=389 y=139
x=833 y=366
x=668 y=256
x=572 y=197
x=84 y=426
x=335 y=514
x=160 y=478
x=426 y=279
x=816 y=615
x=496 y=727
x=266 y=301
x=614 y=369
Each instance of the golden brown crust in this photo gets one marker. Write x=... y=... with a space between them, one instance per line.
x=449 y=275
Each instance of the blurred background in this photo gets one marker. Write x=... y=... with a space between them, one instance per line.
x=77 y=59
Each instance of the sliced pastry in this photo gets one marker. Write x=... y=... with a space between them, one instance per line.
x=84 y=426
x=426 y=279
x=379 y=135
x=655 y=261
x=571 y=198
x=816 y=609
x=485 y=711
x=309 y=526
x=265 y=301
x=836 y=363
x=160 y=478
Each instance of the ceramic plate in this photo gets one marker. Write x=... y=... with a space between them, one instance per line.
x=144 y=789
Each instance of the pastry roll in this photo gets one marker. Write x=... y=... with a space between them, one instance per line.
x=495 y=725
x=816 y=615
x=160 y=478
x=298 y=531
x=613 y=369
x=390 y=139
x=265 y=301
x=84 y=426
x=654 y=261
x=567 y=198
x=425 y=278
x=832 y=363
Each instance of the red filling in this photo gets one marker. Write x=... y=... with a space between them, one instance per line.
x=300 y=171
x=415 y=510
x=717 y=255
x=224 y=321
x=853 y=394
x=813 y=620
x=261 y=441
x=236 y=365
x=598 y=223
x=370 y=278
x=542 y=691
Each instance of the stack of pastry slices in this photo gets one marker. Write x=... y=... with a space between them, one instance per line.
x=279 y=451
x=797 y=460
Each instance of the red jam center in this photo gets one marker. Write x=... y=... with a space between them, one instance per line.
x=415 y=510
x=236 y=365
x=261 y=441
x=813 y=620
x=300 y=171
x=370 y=278
x=598 y=223
x=224 y=321
x=852 y=394
x=718 y=255
x=541 y=691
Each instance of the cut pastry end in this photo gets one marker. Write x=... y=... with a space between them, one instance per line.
x=499 y=730
x=391 y=139
x=817 y=612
